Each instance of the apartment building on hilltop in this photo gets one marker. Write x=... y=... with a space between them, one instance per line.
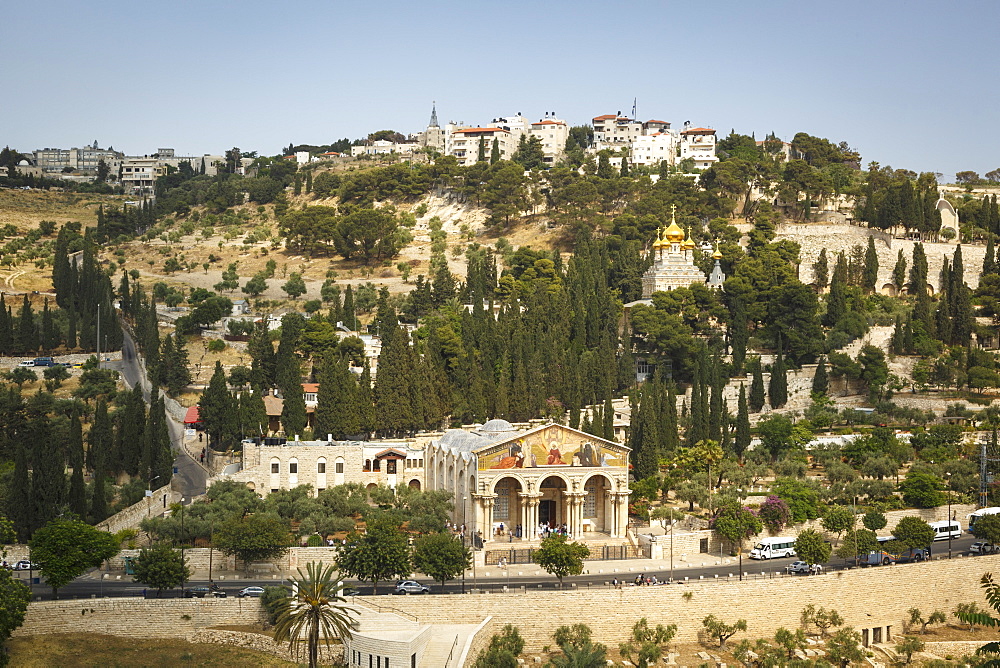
x=553 y=133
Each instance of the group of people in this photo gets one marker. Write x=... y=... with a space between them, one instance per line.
x=640 y=581
x=544 y=530
x=511 y=533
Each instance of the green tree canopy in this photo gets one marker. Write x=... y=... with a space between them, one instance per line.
x=65 y=548
x=560 y=557
x=253 y=537
x=380 y=553
x=441 y=556
x=161 y=567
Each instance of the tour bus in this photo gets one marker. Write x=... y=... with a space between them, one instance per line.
x=945 y=529
x=982 y=512
x=773 y=548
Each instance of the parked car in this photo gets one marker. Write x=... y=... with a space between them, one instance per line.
x=411 y=587
x=803 y=567
x=202 y=592
x=27 y=363
x=250 y=591
x=350 y=591
x=982 y=547
x=44 y=361
x=25 y=565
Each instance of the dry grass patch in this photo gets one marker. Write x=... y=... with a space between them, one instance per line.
x=74 y=650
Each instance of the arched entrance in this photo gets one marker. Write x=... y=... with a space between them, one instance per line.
x=415 y=484
x=508 y=507
x=552 y=504
x=597 y=512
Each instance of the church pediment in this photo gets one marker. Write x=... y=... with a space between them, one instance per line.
x=552 y=446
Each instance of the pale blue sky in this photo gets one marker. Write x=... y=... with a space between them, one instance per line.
x=911 y=84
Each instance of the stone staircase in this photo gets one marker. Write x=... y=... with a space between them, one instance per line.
x=446 y=645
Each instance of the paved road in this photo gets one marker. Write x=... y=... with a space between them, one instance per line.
x=89 y=586
x=190 y=477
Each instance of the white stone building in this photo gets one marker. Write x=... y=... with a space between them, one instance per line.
x=464 y=144
x=698 y=144
x=652 y=149
x=553 y=133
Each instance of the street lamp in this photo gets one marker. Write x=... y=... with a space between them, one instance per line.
x=184 y=580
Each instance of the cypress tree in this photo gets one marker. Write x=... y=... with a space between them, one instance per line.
x=27 y=333
x=869 y=275
x=19 y=495
x=50 y=337
x=71 y=333
x=918 y=270
x=253 y=414
x=100 y=437
x=741 y=440
x=77 y=488
x=481 y=154
x=821 y=382
x=495 y=151
x=624 y=171
x=778 y=388
x=836 y=301
x=989 y=259
x=899 y=272
x=337 y=409
x=6 y=329
x=588 y=428
x=648 y=459
x=349 y=311
x=597 y=423
x=131 y=426
x=821 y=270
x=162 y=461
x=717 y=383
x=394 y=413
x=671 y=438
x=262 y=356
x=757 y=388
x=694 y=432
x=609 y=420
x=943 y=319
x=48 y=465
x=961 y=307
x=217 y=410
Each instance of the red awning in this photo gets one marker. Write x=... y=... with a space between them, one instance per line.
x=192 y=417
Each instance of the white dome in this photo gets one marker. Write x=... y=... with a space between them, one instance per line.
x=497 y=425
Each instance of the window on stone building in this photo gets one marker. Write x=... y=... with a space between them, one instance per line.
x=293 y=467
x=590 y=503
x=275 y=467
x=340 y=467
x=321 y=467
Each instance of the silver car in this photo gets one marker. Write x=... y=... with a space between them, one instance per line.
x=411 y=587
x=982 y=547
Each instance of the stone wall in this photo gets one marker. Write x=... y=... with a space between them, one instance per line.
x=867 y=598
x=150 y=506
x=841 y=238
x=138 y=617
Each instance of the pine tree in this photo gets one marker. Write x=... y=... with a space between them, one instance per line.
x=741 y=440
x=624 y=171
x=77 y=487
x=869 y=275
x=216 y=410
x=821 y=382
x=757 y=388
x=778 y=388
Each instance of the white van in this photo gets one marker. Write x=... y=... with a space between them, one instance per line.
x=945 y=529
x=773 y=548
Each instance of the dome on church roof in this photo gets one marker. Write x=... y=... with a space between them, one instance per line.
x=674 y=233
x=717 y=254
x=688 y=243
x=496 y=425
x=659 y=243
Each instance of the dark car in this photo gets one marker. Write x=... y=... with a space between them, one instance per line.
x=411 y=587
x=202 y=592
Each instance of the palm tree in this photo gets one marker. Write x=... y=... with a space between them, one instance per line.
x=314 y=608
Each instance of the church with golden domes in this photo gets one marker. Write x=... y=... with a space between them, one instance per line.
x=673 y=262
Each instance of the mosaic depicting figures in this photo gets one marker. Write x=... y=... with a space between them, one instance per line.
x=551 y=447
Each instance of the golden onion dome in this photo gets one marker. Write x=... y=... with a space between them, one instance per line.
x=688 y=243
x=717 y=254
x=659 y=243
x=674 y=233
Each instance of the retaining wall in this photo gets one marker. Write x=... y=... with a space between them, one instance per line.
x=866 y=598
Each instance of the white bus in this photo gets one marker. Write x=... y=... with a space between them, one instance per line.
x=982 y=512
x=773 y=548
x=946 y=529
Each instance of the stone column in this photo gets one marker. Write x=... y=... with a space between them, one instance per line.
x=621 y=514
x=574 y=504
x=486 y=515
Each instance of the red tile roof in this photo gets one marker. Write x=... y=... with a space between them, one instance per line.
x=605 y=117
x=310 y=387
x=698 y=131
x=548 y=122
x=655 y=121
